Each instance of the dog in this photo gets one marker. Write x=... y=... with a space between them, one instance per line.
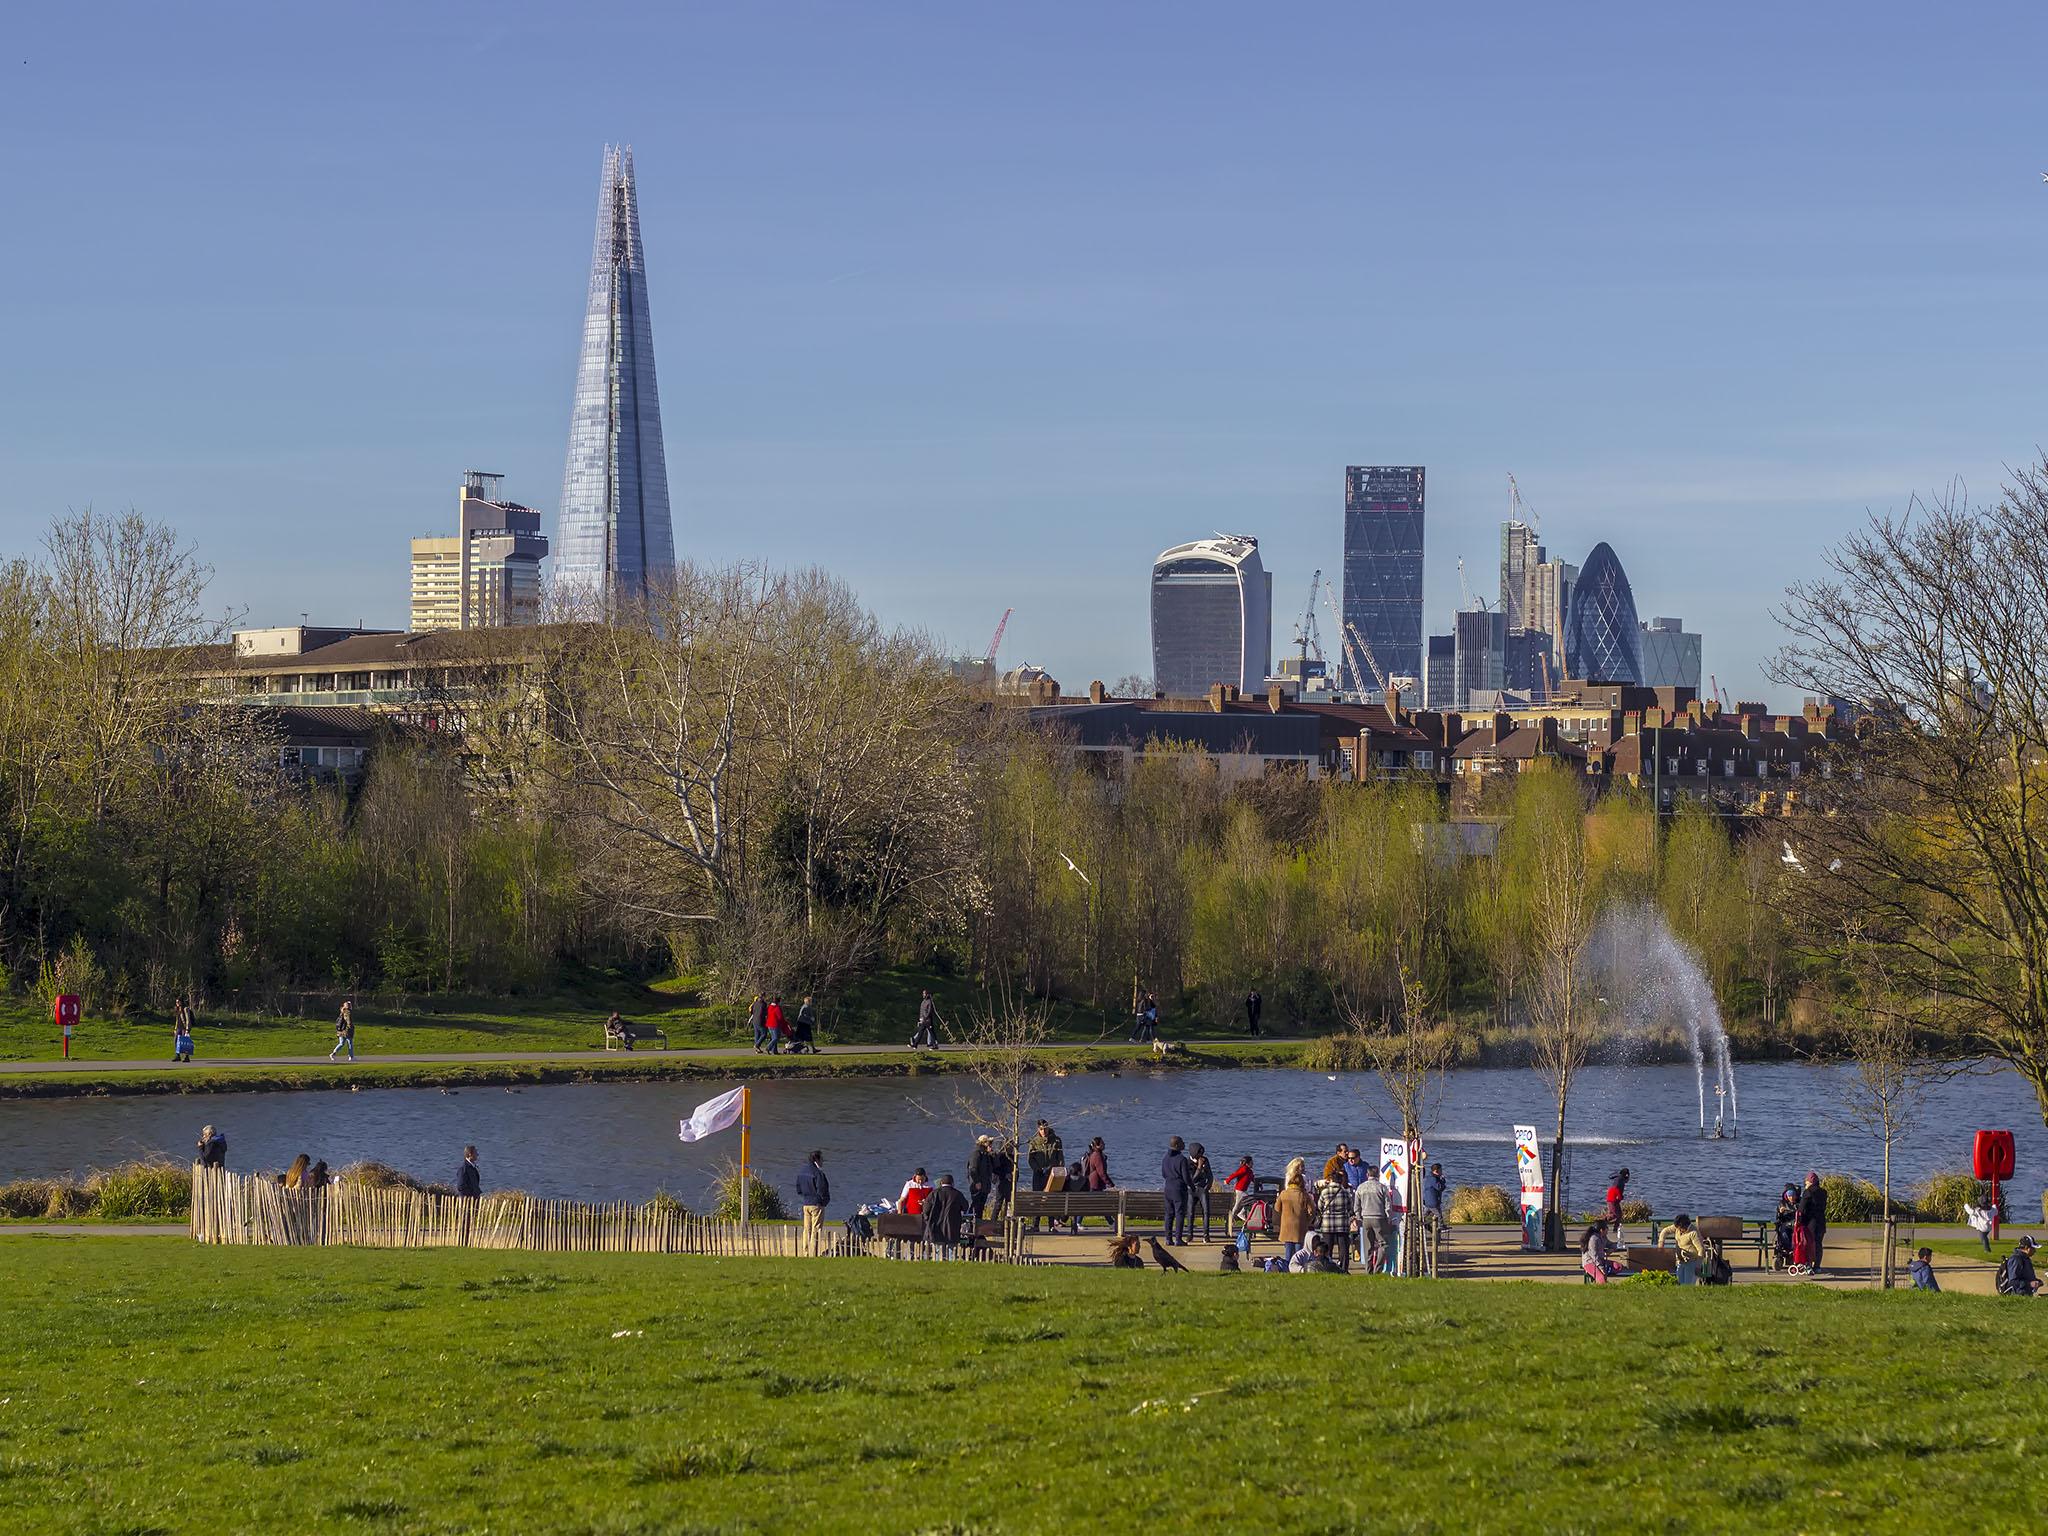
x=1162 y=1258
x=1161 y=1049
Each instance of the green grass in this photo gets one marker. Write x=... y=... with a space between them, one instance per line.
x=154 y=1385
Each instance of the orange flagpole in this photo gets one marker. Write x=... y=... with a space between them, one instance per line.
x=746 y=1142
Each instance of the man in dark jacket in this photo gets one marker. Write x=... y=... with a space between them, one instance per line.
x=1045 y=1154
x=213 y=1148
x=1173 y=1181
x=1254 y=1005
x=2016 y=1275
x=758 y=1017
x=815 y=1191
x=469 y=1179
x=945 y=1216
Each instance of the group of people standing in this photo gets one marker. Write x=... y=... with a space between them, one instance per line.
x=1349 y=1214
x=1802 y=1226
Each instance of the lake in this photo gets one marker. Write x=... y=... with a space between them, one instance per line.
x=618 y=1140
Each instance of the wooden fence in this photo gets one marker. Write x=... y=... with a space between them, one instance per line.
x=244 y=1209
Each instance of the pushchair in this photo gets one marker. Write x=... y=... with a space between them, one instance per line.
x=1256 y=1211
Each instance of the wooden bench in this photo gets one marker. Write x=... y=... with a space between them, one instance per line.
x=1120 y=1206
x=1717 y=1232
x=893 y=1227
x=634 y=1034
x=1664 y=1260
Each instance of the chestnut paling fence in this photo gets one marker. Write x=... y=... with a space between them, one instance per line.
x=247 y=1209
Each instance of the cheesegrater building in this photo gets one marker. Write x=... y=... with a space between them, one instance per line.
x=613 y=535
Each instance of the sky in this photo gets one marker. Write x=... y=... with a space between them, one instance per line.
x=983 y=307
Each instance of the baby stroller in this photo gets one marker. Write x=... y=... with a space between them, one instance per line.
x=1256 y=1212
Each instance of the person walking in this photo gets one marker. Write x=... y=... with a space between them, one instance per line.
x=469 y=1178
x=1201 y=1184
x=345 y=1030
x=2016 y=1275
x=1254 y=1005
x=1335 y=1206
x=815 y=1191
x=945 y=1217
x=213 y=1148
x=757 y=1015
x=804 y=1037
x=981 y=1174
x=1375 y=1225
x=1812 y=1222
x=1296 y=1212
x=926 y=1034
x=1173 y=1184
x=778 y=1029
x=181 y=1030
x=1240 y=1186
x=1617 y=1191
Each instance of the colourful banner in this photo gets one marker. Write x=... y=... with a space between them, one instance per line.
x=1528 y=1166
x=1394 y=1172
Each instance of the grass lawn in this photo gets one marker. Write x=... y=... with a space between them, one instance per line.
x=152 y=1385
x=880 y=1009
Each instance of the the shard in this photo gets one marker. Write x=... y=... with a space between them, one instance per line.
x=613 y=535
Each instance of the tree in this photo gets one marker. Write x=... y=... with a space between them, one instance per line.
x=1932 y=829
x=1001 y=1041
x=1410 y=1049
x=1547 y=840
x=1892 y=1075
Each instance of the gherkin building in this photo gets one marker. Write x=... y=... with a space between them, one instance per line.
x=1601 y=634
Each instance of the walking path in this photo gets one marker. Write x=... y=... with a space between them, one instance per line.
x=587 y=1057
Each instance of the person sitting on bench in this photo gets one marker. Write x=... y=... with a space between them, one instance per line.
x=615 y=1030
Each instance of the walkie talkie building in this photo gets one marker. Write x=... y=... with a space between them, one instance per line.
x=613 y=534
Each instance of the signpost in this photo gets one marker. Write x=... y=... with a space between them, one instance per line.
x=1394 y=1166
x=66 y=1011
x=1529 y=1176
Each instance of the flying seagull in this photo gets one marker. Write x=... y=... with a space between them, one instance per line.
x=1077 y=870
x=1791 y=857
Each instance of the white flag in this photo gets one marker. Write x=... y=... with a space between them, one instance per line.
x=713 y=1115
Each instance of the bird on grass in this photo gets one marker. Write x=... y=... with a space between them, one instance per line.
x=1161 y=1257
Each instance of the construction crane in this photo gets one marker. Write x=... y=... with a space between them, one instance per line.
x=1306 y=641
x=1465 y=592
x=1543 y=669
x=1518 y=511
x=1720 y=698
x=996 y=641
x=1355 y=646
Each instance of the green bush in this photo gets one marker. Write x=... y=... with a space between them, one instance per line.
x=1854 y=1199
x=161 y=1190
x=1333 y=1053
x=1942 y=1197
x=1471 y=1203
x=764 y=1200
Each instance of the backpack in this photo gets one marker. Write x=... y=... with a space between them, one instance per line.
x=2008 y=1275
x=858 y=1225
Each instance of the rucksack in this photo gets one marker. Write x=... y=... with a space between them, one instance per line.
x=2008 y=1275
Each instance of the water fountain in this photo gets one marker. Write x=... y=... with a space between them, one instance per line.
x=1658 y=983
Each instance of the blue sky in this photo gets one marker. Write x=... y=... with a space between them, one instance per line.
x=982 y=307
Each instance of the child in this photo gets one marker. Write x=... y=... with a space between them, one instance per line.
x=1979 y=1219
x=1923 y=1271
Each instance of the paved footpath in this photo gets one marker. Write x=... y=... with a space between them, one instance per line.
x=587 y=1057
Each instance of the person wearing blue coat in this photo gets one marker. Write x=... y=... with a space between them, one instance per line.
x=1173 y=1176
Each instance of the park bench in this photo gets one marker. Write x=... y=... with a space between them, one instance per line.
x=1664 y=1260
x=635 y=1033
x=1120 y=1206
x=1717 y=1232
x=895 y=1229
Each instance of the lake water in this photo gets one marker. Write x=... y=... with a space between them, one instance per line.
x=618 y=1140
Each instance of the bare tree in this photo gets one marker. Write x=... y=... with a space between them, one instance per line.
x=1001 y=1045
x=1409 y=1049
x=1933 y=829
x=1548 y=836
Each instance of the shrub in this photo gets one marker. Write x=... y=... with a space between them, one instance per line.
x=1942 y=1197
x=1333 y=1053
x=26 y=1199
x=162 y=1190
x=373 y=1175
x=1483 y=1203
x=764 y=1200
x=1853 y=1199
x=666 y=1204
x=75 y=971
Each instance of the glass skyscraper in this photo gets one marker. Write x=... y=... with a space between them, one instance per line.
x=613 y=534
x=1212 y=617
x=1383 y=567
x=1602 y=637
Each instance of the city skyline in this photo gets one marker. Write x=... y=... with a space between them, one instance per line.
x=1143 y=291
